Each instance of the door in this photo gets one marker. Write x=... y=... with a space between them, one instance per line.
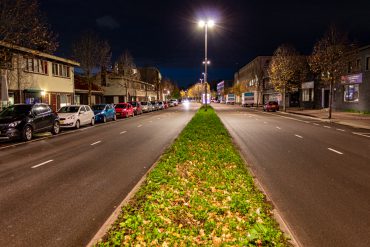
x=83 y=115
x=39 y=121
x=326 y=98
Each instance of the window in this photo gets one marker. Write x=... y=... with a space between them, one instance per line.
x=77 y=99
x=61 y=70
x=65 y=100
x=307 y=94
x=368 y=63
x=349 y=70
x=351 y=93
x=36 y=66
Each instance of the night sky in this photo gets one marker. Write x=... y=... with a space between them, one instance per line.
x=165 y=33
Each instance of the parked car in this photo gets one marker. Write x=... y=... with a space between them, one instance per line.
x=74 y=116
x=165 y=104
x=155 y=105
x=23 y=120
x=160 y=105
x=172 y=103
x=137 y=107
x=147 y=106
x=124 y=110
x=104 y=112
x=271 y=106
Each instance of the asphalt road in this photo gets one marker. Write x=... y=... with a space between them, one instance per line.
x=317 y=174
x=58 y=191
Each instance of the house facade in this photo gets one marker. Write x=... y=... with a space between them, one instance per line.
x=33 y=76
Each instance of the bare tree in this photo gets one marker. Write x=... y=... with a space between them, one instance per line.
x=92 y=53
x=21 y=23
x=286 y=70
x=330 y=57
x=258 y=71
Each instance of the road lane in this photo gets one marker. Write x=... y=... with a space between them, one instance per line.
x=323 y=195
x=64 y=202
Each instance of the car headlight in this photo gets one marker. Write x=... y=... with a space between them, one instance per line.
x=14 y=124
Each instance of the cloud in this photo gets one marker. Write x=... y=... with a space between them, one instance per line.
x=107 y=21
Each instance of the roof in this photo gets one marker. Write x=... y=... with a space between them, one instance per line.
x=81 y=84
x=38 y=53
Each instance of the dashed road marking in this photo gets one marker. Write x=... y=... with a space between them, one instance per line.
x=362 y=134
x=299 y=136
x=316 y=124
x=278 y=127
x=43 y=163
x=328 y=127
x=92 y=144
x=265 y=122
x=140 y=125
x=335 y=151
x=123 y=132
x=341 y=130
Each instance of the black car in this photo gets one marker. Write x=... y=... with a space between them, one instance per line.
x=22 y=120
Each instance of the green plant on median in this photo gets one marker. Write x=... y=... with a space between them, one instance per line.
x=199 y=194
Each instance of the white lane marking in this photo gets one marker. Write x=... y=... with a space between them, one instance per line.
x=86 y=128
x=265 y=122
x=335 y=151
x=159 y=118
x=328 y=127
x=298 y=136
x=140 y=125
x=256 y=118
x=92 y=144
x=150 y=121
x=278 y=127
x=123 y=132
x=43 y=163
x=288 y=118
x=341 y=130
x=316 y=124
x=362 y=134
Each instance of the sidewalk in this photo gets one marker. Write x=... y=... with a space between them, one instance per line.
x=356 y=120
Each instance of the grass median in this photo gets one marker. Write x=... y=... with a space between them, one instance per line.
x=200 y=193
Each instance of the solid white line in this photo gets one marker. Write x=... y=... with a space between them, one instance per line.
x=123 y=132
x=278 y=127
x=92 y=144
x=43 y=163
x=340 y=129
x=328 y=127
x=335 y=151
x=139 y=125
x=298 y=136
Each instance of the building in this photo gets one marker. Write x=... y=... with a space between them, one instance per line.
x=253 y=79
x=353 y=91
x=223 y=88
x=82 y=92
x=34 y=76
x=153 y=76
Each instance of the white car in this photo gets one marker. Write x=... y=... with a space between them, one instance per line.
x=74 y=116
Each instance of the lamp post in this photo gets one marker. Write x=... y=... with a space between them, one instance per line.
x=206 y=24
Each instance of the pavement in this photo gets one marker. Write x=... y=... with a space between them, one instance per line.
x=356 y=120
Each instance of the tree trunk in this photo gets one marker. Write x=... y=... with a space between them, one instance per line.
x=330 y=97
x=284 y=99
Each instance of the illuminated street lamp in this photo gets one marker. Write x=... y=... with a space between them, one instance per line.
x=205 y=24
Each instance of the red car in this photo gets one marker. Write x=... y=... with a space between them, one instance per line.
x=271 y=106
x=165 y=104
x=124 y=110
x=137 y=107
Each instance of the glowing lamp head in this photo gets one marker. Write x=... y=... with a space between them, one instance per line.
x=210 y=23
x=201 y=23
x=43 y=93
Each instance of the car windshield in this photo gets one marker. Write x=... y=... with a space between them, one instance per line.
x=124 y=106
x=144 y=103
x=98 y=107
x=133 y=103
x=69 y=109
x=16 y=110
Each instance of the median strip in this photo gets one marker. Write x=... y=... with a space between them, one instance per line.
x=200 y=193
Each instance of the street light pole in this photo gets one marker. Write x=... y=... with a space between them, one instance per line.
x=205 y=64
x=206 y=24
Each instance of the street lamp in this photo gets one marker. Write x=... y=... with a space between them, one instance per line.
x=205 y=24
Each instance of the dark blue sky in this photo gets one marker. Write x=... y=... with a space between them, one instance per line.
x=165 y=33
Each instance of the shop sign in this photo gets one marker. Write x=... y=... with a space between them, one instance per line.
x=352 y=79
x=306 y=85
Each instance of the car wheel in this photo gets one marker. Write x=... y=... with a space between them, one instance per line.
x=92 y=122
x=114 y=117
x=77 y=124
x=27 y=133
x=56 y=128
x=133 y=114
x=104 y=119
